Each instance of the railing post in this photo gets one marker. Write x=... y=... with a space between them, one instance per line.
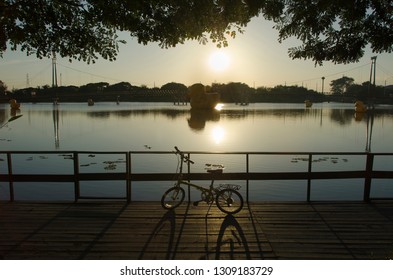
x=309 y=178
x=76 y=176
x=10 y=178
x=367 y=179
x=189 y=171
x=128 y=176
x=247 y=171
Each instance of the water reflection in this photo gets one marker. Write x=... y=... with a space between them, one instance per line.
x=14 y=115
x=257 y=127
x=199 y=117
x=127 y=113
x=218 y=134
x=55 y=114
x=370 y=125
x=359 y=116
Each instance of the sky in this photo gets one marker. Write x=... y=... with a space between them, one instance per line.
x=254 y=57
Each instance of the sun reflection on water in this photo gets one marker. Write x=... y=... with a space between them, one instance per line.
x=218 y=134
x=219 y=106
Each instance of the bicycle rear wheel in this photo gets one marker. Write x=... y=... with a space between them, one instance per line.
x=229 y=201
x=173 y=197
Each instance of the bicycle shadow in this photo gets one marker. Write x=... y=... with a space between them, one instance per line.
x=181 y=235
x=239 y=237
x=165 y=227
x=231 y=240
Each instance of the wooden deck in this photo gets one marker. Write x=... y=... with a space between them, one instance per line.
x=143 y=230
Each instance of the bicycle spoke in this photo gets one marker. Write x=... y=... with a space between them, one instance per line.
x=229 y=201
x=172 y=198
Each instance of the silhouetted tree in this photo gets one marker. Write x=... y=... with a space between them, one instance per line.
x=235 y=92
x=329 y=30
x=93 y=87
x=122 y=86
x=3 y=87
x=366 y=91
x=340 y=86
x=177 y=87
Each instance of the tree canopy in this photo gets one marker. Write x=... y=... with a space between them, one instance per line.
x=328 y=30
x=3 y=87
x=340 y=86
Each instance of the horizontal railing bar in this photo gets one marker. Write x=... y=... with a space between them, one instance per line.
x=257 y=153
x=37 y=178
x=102 y=197
x=195 y=152
x=250 y=176
x=64 y=178
x=102 y=176
x=62 y=152
x=195 y=176
x=382 y=174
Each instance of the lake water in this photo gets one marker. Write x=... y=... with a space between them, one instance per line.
x=325 y=127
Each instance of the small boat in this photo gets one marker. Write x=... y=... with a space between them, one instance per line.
x=90 y=102
x=308 y=103
x=14 y=105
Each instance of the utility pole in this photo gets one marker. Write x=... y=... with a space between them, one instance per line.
x=370 y=115
x=372 y=79
x=373 y=65
x=323 y=83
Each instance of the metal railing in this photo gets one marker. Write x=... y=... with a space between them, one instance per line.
x=128 y=176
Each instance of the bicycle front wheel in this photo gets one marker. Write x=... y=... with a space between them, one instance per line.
x=229 y=201
x=173 y=197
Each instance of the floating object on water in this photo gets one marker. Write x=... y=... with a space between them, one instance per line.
x=200 y=99
x=14 y=105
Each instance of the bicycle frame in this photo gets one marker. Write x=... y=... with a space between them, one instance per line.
x=201 y=188
x=226 y=196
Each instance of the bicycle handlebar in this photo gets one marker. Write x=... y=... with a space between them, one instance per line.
x=183 y=157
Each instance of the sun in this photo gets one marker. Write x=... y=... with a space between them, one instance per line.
x=219 y=60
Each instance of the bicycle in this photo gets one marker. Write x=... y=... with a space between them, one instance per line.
x=226 y=196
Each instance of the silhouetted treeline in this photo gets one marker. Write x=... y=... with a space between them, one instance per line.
x=102 y=91
x=293 y=94
x=342 y=90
